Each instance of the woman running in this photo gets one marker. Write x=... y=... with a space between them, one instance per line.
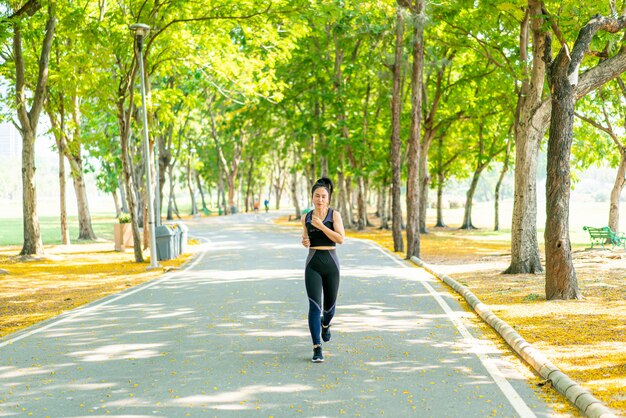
x=322 y=230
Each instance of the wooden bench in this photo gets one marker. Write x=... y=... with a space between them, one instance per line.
x=604 y=235
x=302 y=212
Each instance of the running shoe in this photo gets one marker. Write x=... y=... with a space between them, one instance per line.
x=326 y=333
x=318 y=357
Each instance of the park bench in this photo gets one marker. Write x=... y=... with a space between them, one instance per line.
x=604 y=235
x=302 y=212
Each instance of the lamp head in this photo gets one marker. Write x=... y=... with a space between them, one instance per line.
x=141 y=29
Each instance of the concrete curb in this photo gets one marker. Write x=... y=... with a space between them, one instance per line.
x=576 y=394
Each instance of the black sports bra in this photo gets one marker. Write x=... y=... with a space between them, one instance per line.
x=318 y=238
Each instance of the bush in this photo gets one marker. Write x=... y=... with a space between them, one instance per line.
x=124 y=218
x=601 y=197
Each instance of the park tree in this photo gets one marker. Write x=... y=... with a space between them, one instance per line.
x=70 y=85
x=60 y=145
x=436 y=87
x=396 y=142
x=340 y=35
x=496 y=194
x=33 y=26
x=169 y=20
x=561 y=282
x=532 y=122
x=418 y=14
x=99 y=134
x=492 y=137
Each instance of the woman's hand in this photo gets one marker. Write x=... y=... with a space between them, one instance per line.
x=317 y=222
x=306 y=242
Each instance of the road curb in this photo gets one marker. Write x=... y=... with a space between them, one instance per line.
x=576 y=394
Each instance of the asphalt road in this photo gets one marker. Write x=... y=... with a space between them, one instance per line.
x=228 y=337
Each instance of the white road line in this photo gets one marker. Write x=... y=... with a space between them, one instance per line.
x=82 y=310
x=511 y=394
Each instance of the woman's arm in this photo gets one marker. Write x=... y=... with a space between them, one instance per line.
x=305 y=235
x=338 y=234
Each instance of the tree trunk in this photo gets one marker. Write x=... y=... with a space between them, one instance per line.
x=32 y=233
x=124 y=126
x=249 y=185
x=170 y=200
x=120 y=185
x=343 y=199
x=361 y=205
x=384 y=214
x=220 y=188
x=505 y=168
x=469 y=200
x=192 y=193
x=390 y=208
x=561 y=282
x=59 y=132
x=116 y=202
x=413 y=181
x=165 y=159
x=294 y=193
x=440 y=179
x=424 y=184
x=176 y=211
x=199 y=184
x=616 y=192
x=380 y=203
x=524 y=244
x=85 y=230
x=230 y=179
x=528 y=135
x=398 y=243
x=278 y=192
x=65 y=231
x=222 y=192
x=84 y=217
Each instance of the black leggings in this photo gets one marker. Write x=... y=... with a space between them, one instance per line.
x=321 y=275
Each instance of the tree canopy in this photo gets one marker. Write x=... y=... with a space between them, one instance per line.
x=248 y=98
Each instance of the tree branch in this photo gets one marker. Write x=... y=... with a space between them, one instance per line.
x=30 y=8
x=484 y=47
x=603 y=72
x=20 y=79
x=44 y=59
x=554 y=26
x=204 y=18
x=599 y=127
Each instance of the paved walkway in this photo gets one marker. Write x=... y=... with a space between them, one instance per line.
x=228 y=337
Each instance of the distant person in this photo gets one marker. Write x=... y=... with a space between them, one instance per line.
x=256 y=206
x=266 y=203
x=322 y=229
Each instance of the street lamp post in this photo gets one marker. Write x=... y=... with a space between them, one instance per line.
x=141 y=31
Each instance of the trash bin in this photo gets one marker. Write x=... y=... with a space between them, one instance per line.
x=183 y=237
x=165 y=242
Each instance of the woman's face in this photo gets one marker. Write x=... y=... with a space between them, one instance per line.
x=321 y=197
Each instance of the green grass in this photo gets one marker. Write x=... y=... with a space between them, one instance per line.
x=582 y=213
x=12 y=229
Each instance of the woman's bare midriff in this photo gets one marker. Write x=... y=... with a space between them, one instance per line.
x=322 y=248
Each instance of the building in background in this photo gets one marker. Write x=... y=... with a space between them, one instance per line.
x=10 y=141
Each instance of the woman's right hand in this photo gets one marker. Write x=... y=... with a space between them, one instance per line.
x=306 y=242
